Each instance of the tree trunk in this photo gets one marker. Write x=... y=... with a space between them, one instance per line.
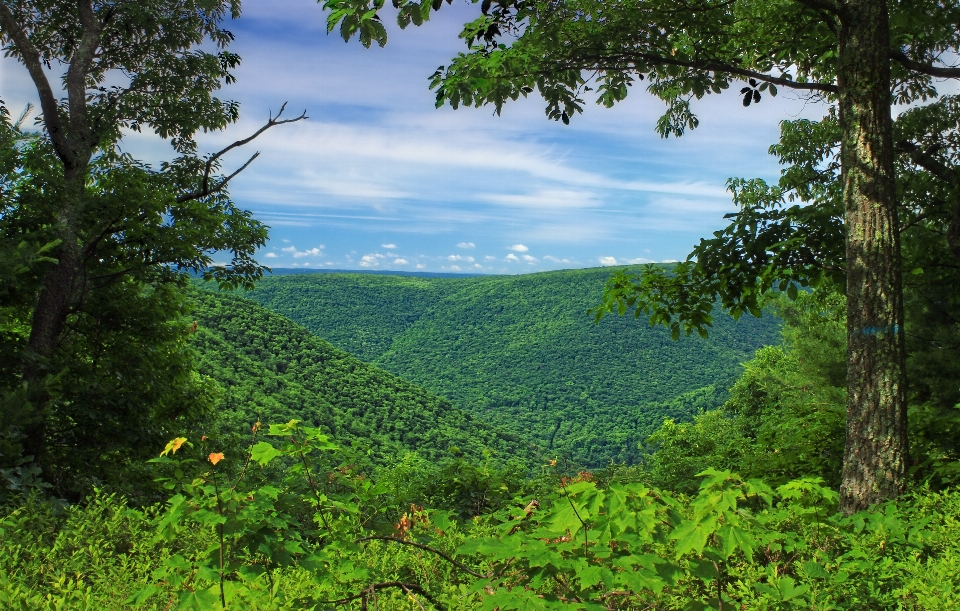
x=875 y=460
x=54 y=303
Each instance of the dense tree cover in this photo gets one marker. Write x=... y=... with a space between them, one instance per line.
x=272 y=370
x=279 y=525
x=785 y=415
x=94 y=360
x=293 y=515
x=520 y=351
x=862 y=55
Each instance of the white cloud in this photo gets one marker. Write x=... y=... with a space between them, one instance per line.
x=400 y=262
x=553 y=259
x=388 y=246
x=271 y=255
x=638 y=260
x=455 y=268
x=511 y=257
x=558 y=199
x=478 y=266
x=466 y=245
x=518 y=248
x=460 y=258
x=369 y=261
x=607 y=261
x=310 y=252
x=421 y=266
x=489 y=258
x=530 y=260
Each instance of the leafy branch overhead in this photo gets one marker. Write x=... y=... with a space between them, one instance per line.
x=859 y=55
x=118 y=237
x=562 y=51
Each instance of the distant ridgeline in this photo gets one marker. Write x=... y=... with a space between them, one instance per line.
x=270 y=367
x=521 y=352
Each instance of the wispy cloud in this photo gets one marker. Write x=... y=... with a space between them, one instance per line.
x=544 y=199
x=518 y=248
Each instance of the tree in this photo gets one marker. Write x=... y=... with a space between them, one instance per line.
x=117 y=236
x=860 y=54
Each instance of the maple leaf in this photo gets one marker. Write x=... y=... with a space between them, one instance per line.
x=215 y=457
x=174 y=445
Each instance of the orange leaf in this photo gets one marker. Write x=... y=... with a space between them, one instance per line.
x=174 y=445
x=215 y=457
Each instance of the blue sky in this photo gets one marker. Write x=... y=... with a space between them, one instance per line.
x=377 y=178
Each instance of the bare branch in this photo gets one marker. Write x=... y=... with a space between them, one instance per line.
x=205 y=188
x=48 y=102
x=216 y=188
x=923 y=68
x=462 y=567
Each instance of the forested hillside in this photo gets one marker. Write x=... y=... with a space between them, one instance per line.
x=523 y=352
x=272 y=370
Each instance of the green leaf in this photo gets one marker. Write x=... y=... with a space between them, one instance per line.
x=788 y=588
x=263 y=453
x=733 y=538
x=691 y=535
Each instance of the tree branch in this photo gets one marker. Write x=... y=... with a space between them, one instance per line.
x=462 y=567
x=205 y=188
x=411 y=587
x=76 y=79
x=926 y=160
x=716 y=66
x=927 y=69
x=48 y=102
x=822 y=5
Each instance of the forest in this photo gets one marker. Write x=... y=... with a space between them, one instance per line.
x=521 y=351
x=303 y=442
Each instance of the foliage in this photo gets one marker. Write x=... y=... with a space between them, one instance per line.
x=100 y=242
x=279 y=526
x=862 y=56
x=518 y=351
x=270 y=369
x=784 y=418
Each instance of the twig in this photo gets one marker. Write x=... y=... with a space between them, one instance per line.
x=383 y=585
x=415 y=599
x=462 y=567
x=205 y=189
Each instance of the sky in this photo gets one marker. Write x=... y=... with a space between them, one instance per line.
x=378 y=178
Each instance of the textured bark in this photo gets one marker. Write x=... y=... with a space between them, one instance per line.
x=875 y=460
x=953 y=230
x=74 y=146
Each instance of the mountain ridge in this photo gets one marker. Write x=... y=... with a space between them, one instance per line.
x=521 y=351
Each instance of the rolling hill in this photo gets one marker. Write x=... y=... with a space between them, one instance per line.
x=272 y=369
x=521 y=352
